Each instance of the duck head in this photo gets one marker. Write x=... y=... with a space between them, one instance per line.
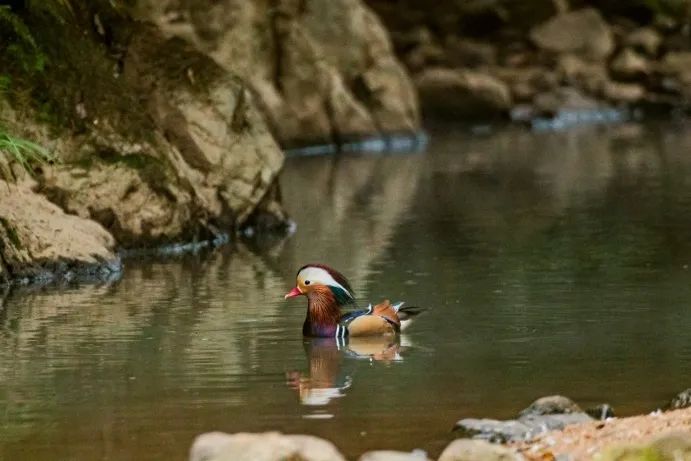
x=321 y=281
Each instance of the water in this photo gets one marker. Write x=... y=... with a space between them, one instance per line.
x=553 y=262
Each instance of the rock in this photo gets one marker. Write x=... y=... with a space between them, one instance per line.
x=600 y=412
x=528 y=14
x=676 y=63
x=463 y=93
x=551 y=405
x=670 y=447
x=523 y=428
x=644 y=40
x=623 y=92
x=553 y=412
x=563 y=99
x=574 y=70
x=268 y=446
x=681 y=400
x=310 y=86
x=38 y=241
x=203 y=166
x=676 y=66
x=463 y=52
x=475 y=450
x=629 y=65
x=582 y=32
x=423 y=55
x=389 y=455
x=526 y=82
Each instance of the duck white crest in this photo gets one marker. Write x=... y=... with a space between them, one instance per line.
x=322 y=277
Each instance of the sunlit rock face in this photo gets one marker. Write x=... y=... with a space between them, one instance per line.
x=322 y=69
x=155 y=142
x=40 y=241
x=202 y=169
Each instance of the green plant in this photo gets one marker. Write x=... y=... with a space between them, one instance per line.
x=22 y=151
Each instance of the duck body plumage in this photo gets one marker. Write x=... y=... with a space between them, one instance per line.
x=328 y=292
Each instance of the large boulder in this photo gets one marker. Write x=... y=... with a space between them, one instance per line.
x=582 y=32
x=292 y=55
x=202 y=168
x=38 y=241
x=269 y=446
x=463 y=93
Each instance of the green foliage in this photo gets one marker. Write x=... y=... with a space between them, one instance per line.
x=18 y=47
x=23 y=152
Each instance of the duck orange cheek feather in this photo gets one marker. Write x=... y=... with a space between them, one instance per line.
x=293 y=293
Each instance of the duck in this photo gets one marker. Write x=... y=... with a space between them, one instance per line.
x=328 y=292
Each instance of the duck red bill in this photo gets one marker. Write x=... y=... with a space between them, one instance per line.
x=293 y=293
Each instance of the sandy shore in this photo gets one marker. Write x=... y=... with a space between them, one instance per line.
x=584 y=441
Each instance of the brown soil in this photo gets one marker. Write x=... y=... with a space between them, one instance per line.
x=583 y=441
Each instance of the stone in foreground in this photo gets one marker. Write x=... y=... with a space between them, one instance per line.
x=391 y=455
x=477 y=450
x=268 y=446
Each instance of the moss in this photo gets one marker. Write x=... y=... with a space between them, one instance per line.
x=59 y=64
x=11 y=233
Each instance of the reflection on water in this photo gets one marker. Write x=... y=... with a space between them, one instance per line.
x=330 y=370
x=551 y=263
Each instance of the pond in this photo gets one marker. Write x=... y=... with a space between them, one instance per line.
x=550 y=262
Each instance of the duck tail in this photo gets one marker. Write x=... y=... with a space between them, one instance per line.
x=406 y=314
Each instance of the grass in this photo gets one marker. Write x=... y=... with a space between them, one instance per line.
x=25 y=153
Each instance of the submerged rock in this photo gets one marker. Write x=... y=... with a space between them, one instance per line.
x=268 y=446
x=583 y=32
x=476 y=450
x=40 y=242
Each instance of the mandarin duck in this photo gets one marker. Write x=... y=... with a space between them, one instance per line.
x=328 y=291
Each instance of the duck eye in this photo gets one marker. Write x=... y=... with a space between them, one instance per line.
x=307 y=282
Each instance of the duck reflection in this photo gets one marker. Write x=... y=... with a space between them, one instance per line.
x=332 y=363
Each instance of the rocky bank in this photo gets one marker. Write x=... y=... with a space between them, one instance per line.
x=166 y=119
x=551 y=428
x=501 y=59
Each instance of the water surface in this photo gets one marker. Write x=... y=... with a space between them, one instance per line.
x=551 y=263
